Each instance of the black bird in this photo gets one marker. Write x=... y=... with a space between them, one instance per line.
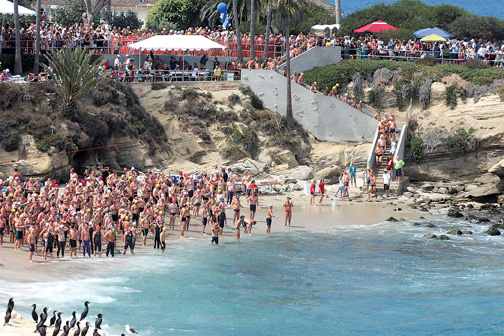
x=98 y=321
x=96 y=333
x=43 y=315
x=7 y=317
x=86 y=328
x=39 y=324
x=73 y=320
x=42 y=330
x=66 y=329
x=86 y=310
x=56 y=331
x=53 y=318
x=10 y=305
x=57 y=324
x=34 y=313
x=77 y=331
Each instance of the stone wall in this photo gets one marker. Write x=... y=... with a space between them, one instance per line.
x=314 y=58
x=327 y=118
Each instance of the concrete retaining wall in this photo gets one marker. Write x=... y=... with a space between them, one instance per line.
x=327 y=118
x=314 y=58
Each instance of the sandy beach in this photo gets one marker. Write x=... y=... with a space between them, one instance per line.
x=16 y=267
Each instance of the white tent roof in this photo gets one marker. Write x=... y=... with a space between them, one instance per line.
x=323 y=27
x=7 y=7
x=177 y=42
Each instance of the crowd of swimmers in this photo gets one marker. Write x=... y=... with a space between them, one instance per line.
x=104 y=208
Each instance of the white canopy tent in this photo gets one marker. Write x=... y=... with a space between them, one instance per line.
x=177 y=42
x=7 y=7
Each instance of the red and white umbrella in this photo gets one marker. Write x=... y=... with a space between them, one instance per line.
x=375 y=27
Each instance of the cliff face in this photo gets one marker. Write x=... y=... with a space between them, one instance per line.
x=37 y=138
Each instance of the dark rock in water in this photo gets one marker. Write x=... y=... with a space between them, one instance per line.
x=430 y=225
x=429 y=235
x=472 y=219
x=416 y=224
x=497 y=226
x=392 y=219
x=424 y=210
x=398 y=209
x=483 y=220
x=494 y=211
x=493 y=232
x=455 y=214
x=422 y=217
x=468 y=232
x=470 y=206
x=454 y=232
x=443 y=237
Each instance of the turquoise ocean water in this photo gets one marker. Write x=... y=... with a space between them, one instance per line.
x=384 y=279
x=478 y=7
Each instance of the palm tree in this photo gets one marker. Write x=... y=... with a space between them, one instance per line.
x=252 y=29
x=37 y=41
x=268 y=31
x=286 y=13
x=337 y=7
x=237 y=31
x=75 y=71
x=18 y=67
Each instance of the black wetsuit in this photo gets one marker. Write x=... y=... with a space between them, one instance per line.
x=110 y=248
x=129 y=241
x=157 y=239
x=97 y=241
x=50 y=243
x=61 y=247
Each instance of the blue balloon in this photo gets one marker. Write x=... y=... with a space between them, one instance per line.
x=222 y=7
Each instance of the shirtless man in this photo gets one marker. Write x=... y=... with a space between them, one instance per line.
x=393 y=128
x=85 y=237
x=184 y=212
x=61 y=241
x=240 y=222
x=379 y=155
x=249 y=223
x=173 y=211
x=230 y=190
x=196 y=201
x=236 y=208
x=20 y=227
x=31 y=244
x=254 y=202
x=269 y=218
x=204 y=216
x=346 y=183
x=110 y=236
x=145 y=226
x=288 y=211
x=162 y=238
x=215 y=234
x=73 y=241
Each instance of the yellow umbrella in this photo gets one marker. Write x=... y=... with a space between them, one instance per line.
x=433 y=38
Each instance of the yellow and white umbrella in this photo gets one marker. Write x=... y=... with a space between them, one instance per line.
x=433 y=38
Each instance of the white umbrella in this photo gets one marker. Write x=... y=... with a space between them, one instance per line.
x=7 y=7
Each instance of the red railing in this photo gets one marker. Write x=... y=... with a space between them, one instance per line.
x=121 y=46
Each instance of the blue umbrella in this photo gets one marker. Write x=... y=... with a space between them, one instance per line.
x=437 y=31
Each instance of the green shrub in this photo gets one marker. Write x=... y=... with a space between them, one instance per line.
x=427 y=61
x=204 y=135
x=451 y=96
x=233 y=153
x=196 y=157
x=500 y=92
x=373 y=98
x=12 y=142
x=460 y=140
x=248 y=140
x=233 y=99
x=416 y=144
x=158 y=86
